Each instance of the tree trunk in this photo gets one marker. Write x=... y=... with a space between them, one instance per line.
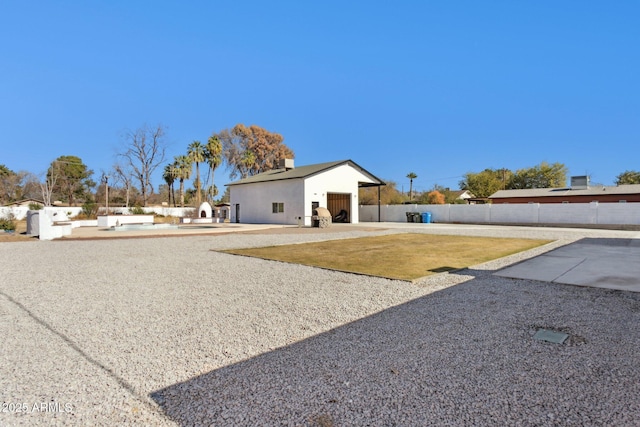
x=182 y=193
x=198 y=201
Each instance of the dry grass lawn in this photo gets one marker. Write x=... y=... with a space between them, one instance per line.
x=396 y=256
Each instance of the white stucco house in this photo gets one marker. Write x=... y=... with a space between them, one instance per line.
x=289 y=195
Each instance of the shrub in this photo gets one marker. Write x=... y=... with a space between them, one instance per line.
x=33 y=206
x=7 y=224
x=90 y=210
x=137 y=210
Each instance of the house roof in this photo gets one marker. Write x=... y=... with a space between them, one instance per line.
x=25 y=201
x=459 y=193
x=303 y=172
x=567 y=192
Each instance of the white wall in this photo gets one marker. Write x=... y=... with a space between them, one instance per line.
x=342 y=179
x=532 y=213
x=159 y=210
x=20 y=212
x=256 y=201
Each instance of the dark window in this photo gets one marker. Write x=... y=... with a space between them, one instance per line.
x=277 y=207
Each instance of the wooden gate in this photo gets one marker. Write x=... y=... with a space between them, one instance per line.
x=339 y=202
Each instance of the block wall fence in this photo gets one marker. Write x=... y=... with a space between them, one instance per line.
x=532 y=213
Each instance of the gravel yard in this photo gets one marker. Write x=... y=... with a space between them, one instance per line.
x=164 y=331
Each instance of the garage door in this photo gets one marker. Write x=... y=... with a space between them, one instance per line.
x=337 y=203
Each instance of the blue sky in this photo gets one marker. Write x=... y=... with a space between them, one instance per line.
x=439 y=88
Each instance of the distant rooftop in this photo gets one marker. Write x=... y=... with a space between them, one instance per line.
x=564 y=192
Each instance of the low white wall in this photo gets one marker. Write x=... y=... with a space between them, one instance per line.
x=158 y=210
x=20 y=212
x=531 y=213
x=39 y=223
x=112 y=220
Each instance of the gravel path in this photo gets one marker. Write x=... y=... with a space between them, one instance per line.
x=167 y=332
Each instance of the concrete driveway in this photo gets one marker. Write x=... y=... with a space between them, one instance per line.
x=597 y=262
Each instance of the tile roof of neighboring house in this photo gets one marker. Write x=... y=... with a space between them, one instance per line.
x=302 y=172
x=564 y=192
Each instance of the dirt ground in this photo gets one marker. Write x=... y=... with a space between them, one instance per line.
x=19 y=235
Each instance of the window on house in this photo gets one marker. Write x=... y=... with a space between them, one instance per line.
x=277 y=207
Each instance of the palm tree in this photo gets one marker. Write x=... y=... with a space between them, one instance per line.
x=213 y=154
x=169 y=175
x=196 y=153
x=182 y=166
x=411 y=177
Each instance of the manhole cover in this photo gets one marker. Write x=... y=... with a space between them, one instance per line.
x=550 y=336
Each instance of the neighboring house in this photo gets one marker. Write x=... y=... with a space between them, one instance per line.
x=580 y=194
x=461 y=195
x=289 y=195
x=25 y=203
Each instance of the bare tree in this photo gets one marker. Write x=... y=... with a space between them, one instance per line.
x=145 y=152
x=123 y=176
x=49 y=184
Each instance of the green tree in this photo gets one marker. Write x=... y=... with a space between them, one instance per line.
x=213 y=153
x=226 y=196
x=7 y=185
x=389 y=195
x=628 y=177
x=411 y=177
x=485 y=183
x=170 y=175
x=4 y=171
x=544 y=175
x=73 y=178
x=196 y=153
x=251 y=150
x=183 y=167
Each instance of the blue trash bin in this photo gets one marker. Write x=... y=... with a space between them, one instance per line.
x=426 y=217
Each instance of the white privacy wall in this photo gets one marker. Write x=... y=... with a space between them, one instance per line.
x=342 y=179
x=531 y=213
x=256 y=201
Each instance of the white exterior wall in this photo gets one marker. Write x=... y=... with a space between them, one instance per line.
x=256 y=201
x=342 y=179
x=532 y=213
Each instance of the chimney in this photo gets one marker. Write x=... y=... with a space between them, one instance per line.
x=285 y=164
